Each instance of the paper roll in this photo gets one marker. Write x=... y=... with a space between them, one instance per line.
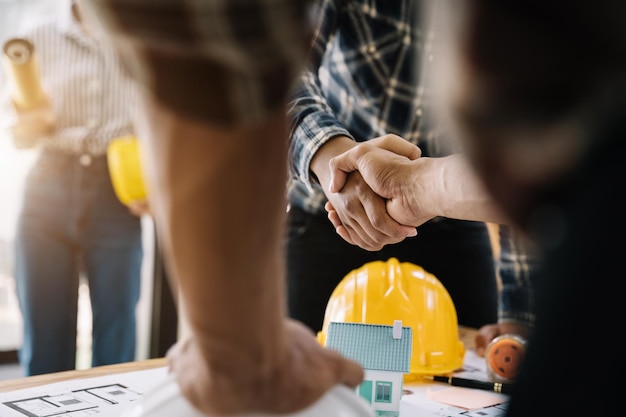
x=23 y=73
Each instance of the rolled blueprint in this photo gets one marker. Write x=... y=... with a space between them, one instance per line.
x=23 y=73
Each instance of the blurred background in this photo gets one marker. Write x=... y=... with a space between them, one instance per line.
x=15 y=16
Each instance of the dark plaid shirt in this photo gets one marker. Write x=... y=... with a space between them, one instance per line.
x=369 y=75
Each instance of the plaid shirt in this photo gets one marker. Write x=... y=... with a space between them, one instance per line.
x=516 y=269
x=370 y=64
x=368 y=75
x=220 y=61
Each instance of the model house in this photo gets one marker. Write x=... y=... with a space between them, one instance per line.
x=385 y=354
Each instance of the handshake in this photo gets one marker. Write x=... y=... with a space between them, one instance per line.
x=381 y=190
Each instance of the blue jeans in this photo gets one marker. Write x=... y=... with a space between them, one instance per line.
x=72 y=222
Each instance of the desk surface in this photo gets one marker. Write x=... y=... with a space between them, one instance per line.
x=33 y=381
x=466 y=335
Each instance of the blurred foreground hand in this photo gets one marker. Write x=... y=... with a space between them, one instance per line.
x=139 y=207
x=33 y=124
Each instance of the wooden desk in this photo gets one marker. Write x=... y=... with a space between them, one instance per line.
x=33 y=381
x=466 y=335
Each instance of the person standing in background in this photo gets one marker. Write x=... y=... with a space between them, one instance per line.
x=368 y=82
x=71 y=221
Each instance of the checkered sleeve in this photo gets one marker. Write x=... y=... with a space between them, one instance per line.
x=517 y=269
x=313 y=121
x=219 y=61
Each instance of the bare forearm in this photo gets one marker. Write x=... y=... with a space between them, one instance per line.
x=460 y=194
x=221 y=229
x=332 y=148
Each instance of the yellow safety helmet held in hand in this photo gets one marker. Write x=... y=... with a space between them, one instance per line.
x=380 y=292
x=124 y=159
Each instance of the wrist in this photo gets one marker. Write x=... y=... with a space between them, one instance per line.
x=425 y=186
x=319 y=163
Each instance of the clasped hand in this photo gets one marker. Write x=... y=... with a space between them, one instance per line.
x=373 y=192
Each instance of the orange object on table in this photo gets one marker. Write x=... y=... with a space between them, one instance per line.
x=504 y=357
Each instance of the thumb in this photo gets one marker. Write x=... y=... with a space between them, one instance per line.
x=485 y=335
x=340 y=166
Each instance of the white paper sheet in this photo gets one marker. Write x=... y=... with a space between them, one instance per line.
x=107 y=396
x=104 y=396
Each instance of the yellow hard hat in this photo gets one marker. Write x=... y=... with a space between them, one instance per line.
x=380 y=292
x=124 y=159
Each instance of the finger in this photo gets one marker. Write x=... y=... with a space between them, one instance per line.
x=353 y=237
x=485 y=335
x=359 y=231
x=340 y=166
x=350 y=373
x=354 y=226
x=345 y=235
x=171 y=355
x=346 y=371
x=364 y=234
x=342 y=231
x=390 y=229
x=334 y=219
x=352 y=232
x=398 y=145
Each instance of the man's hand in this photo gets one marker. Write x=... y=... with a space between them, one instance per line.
x=139 y=207
x=222 y=387
x=364 y=218
x=416 y=188
x=393 y=169
x=33 y=124
x=377 y=160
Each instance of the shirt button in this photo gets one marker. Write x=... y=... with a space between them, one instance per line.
x=418 y=112
x=85 y=160
x=93 y=86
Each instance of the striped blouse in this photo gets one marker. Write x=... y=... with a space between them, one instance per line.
x=218 y=61
x=92 y=99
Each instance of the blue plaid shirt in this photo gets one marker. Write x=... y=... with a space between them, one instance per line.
x=369 y=67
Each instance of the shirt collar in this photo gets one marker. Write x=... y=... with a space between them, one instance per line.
x=71 y=28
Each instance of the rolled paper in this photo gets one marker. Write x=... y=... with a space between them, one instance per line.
x=23 y=73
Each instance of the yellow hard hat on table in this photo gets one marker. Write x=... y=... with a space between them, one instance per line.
x=380 y=292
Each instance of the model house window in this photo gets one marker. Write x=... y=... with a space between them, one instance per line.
x=383 y=392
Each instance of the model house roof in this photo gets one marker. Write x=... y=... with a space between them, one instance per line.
x=372 y=345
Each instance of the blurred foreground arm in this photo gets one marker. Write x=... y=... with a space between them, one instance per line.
x=216 y=130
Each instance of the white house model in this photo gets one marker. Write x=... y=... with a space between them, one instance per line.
x=385 y=354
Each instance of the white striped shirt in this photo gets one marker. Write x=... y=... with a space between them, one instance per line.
x=92 y=98
x=216 y=61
